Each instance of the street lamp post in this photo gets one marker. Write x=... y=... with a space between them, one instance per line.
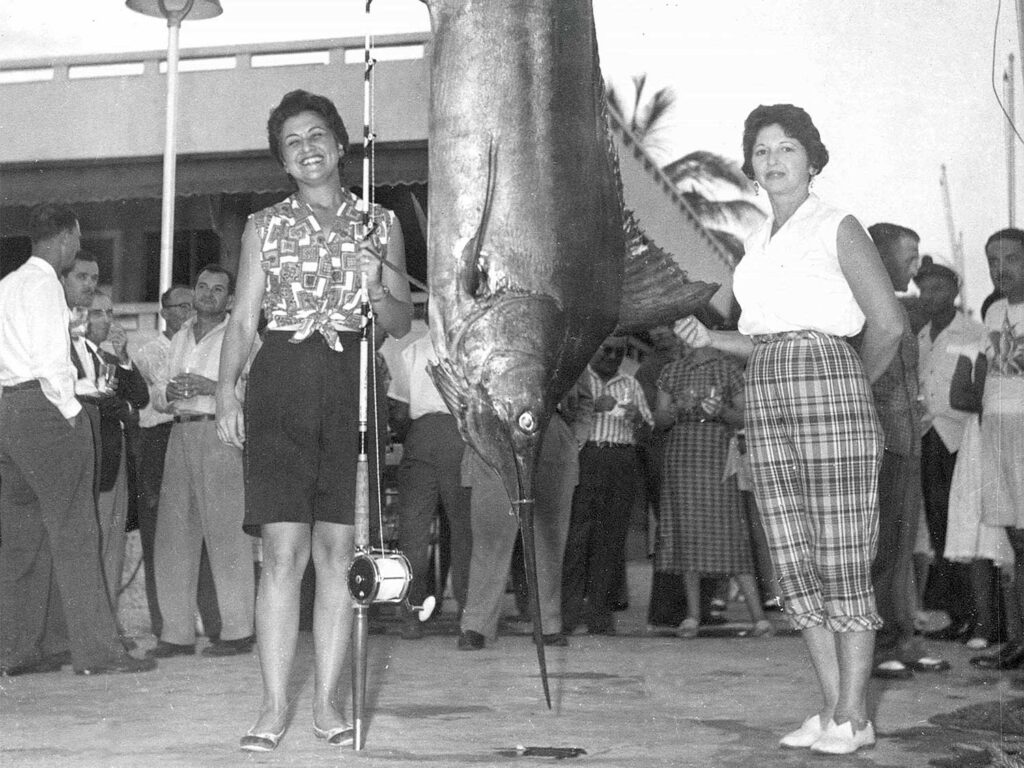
x=174 y=11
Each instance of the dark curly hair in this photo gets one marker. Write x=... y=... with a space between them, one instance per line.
x=795 y=123
x=297 y=102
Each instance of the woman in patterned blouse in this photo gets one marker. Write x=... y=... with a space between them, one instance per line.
x=305 y=262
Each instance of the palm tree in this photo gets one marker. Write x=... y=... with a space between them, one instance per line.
x=645 y=117
x=712 y=185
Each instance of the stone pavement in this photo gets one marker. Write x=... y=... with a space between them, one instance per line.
x=629 y=700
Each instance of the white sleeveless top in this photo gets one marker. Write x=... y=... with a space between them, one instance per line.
x=793 y=281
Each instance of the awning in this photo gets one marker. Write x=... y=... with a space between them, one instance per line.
x=26 y=184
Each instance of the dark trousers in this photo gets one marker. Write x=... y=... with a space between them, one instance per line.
x=597 y=534
x=430 y=476
x=948 y=583
x=892 y=572
x=152 y=451
x=50 y=548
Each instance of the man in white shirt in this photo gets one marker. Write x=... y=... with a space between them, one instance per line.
x=942 y=339
x=202 y=496
x=50 y=546
x=428 y=477
x=154 y=432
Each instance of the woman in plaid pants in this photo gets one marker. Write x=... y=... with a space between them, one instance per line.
x=809 y=281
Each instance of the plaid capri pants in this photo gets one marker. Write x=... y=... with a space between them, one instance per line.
x=815 y=448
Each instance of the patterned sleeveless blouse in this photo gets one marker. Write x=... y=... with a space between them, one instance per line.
x=312 y=275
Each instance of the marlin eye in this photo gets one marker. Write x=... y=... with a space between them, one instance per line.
x=527 y=423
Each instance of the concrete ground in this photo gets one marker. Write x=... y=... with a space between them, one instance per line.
x=629 y=700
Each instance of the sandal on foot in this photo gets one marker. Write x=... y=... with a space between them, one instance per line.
x=688 y=629
x=762 y=628
x=265 y=741
x=338 y=736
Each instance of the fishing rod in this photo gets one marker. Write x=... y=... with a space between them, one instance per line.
x=377 y=575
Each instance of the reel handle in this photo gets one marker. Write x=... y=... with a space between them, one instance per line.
x=423 y=612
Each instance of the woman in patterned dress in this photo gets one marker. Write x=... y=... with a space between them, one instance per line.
x=303 y=261
x=702 y=529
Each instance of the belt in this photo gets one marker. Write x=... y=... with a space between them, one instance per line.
x=768 y=338
x=609 y=444
x=22 y=386
x=194 y=417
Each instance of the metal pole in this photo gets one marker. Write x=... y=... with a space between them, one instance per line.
x=1011 y=144
x=360 y=625
x=1020 y=32
x=170 y=151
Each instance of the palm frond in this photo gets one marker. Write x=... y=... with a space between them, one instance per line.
x=730 y=242
x=704 y=167
x=725 y=212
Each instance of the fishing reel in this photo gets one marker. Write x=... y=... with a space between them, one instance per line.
x=384 y=576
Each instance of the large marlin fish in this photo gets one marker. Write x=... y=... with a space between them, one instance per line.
x=526 y=239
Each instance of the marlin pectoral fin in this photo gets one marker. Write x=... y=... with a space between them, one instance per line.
x=473 y=267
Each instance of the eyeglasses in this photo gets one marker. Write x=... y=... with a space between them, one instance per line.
x=184 y=304
x=610 y=350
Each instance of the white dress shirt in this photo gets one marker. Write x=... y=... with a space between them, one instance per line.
x=936 y=364
x=412 y=384
x=151 y=360
x=34 y=338
x=202 y=358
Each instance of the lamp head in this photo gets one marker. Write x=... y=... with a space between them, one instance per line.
x=168 y=9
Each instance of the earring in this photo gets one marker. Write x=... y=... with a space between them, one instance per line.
x=757 y=189
x=810 y=184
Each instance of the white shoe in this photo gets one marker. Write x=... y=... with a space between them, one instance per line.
x=843 y=740
x=805 y=735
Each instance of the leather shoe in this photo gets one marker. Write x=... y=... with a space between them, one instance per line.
x=1013 y=658
x=126 y=663
x=230 y=647
x=165 y=650
x=891 y=670
x=843 y=740
x=928 y=664
x=956 y=631
x=45 y=664
x=470 y=640
x=806 y=734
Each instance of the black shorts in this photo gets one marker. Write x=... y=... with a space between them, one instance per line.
x=302 y=432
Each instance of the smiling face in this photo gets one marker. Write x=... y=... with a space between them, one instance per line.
x=780 y=162
x=101 y=317
x=212 y=294
x=309 y=150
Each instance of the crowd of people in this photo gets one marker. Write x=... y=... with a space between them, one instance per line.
x=795 y=455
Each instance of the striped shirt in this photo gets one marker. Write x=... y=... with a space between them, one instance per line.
x=612 y=426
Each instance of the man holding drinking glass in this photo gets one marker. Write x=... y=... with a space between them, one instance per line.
x=202 y=496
